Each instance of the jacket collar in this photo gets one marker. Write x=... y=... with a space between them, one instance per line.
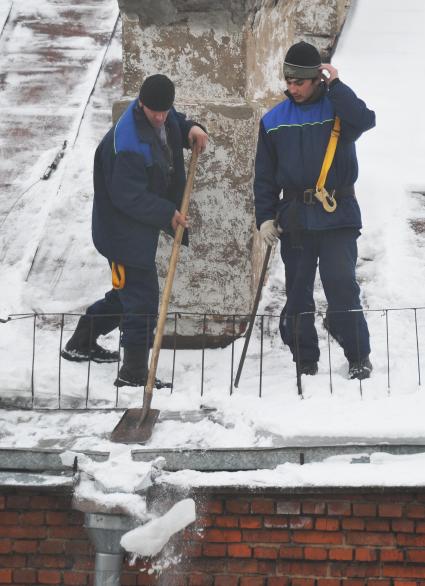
x=321 y=91
x=145 y=131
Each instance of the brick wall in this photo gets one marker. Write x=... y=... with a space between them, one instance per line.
x=239 y=539
x=375 y=539
x=42 y=540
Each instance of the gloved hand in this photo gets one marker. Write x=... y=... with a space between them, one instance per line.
x=269 y=232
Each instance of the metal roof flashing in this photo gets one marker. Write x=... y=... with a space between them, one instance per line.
x=43 y=467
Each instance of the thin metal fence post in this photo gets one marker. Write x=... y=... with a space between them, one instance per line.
x=89 y=362
x=119 y=361
x=296 y=319
x=33 y=360
x=330 y=361
x=358 y=347
x=148 y=341
x=204 y=325
x=60 y=360
x=388 y=350
x=261 y=354
x=233 y=354
x=417 y=348
x=174 y=352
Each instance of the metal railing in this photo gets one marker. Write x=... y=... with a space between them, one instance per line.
x=33 y=373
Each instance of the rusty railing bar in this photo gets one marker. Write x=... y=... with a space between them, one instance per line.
x=60 y=360
x=417 y=349
x=174 y=352
x=329 y=358
x=117 y=393
x=89 y=363
x=233 y=354
x=261 y=354
x=388 y=350
x=297 y=352
x=33 y=360
x=204 y=325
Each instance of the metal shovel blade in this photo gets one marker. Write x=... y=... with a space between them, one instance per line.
x=129 y=430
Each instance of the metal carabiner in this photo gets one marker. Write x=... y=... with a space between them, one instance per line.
x=327 y=200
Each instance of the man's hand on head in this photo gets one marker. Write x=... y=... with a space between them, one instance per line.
x=198 y=139
x=328 y=72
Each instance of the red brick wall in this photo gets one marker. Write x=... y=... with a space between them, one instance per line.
x=42 y=540
x=339 y=539
x=312 y=540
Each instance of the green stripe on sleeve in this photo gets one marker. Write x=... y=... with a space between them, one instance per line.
x=299 y=125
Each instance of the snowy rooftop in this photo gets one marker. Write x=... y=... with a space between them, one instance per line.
x=49 y=264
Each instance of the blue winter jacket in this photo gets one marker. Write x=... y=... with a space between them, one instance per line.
x=135 y=196
x=291 y=147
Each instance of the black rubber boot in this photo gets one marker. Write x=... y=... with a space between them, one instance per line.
x=135 y=368
x=309 y=367
x=360 y=369
x=81 y=348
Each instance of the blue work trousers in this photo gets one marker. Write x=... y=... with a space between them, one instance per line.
x=336 y=253
x=135 y=307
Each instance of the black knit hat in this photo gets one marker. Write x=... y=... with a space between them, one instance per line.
x=302 y=61
x=157 y=93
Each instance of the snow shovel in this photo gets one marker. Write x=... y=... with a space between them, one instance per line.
x=136 y=425
x=253 y=314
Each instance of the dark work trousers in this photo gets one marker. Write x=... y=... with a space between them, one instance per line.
x=136 y=305
x=336 y=253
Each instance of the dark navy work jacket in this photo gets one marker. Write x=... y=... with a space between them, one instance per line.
x=135 y=196
x=291 y=147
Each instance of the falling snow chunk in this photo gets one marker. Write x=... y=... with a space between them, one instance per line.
x=149 y=539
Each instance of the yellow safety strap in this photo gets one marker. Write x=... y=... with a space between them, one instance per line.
x=328 y=200
x=118 y=276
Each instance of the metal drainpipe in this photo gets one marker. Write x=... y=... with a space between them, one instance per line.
x=105 y=532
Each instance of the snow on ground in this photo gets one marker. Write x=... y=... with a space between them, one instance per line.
x=382 y=470
x=381 y=48
x=50 y=57
x=374 y=50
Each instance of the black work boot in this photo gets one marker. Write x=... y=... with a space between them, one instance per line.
x=360 y=369
x=82 y=345
x=134 y=369
x=309 y=367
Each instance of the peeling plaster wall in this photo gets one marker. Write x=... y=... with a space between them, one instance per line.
x=221 y=213
x=274 y=25
x=200 y=52
x=226 y=60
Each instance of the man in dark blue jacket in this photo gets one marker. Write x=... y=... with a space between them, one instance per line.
x=139 y=179
x=292 y=143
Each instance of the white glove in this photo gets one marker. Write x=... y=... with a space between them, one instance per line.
x=269 y=232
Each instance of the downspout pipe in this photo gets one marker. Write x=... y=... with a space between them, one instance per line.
x=105 y=532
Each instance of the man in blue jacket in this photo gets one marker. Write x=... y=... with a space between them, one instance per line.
x=292 y=143
x=139 y=179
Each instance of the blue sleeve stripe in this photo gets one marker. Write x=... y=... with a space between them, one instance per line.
x=300 y=125
x=127 y=139
x=125 y=134
x=115 y=134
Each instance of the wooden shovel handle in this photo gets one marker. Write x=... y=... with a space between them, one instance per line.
x=165 y=299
